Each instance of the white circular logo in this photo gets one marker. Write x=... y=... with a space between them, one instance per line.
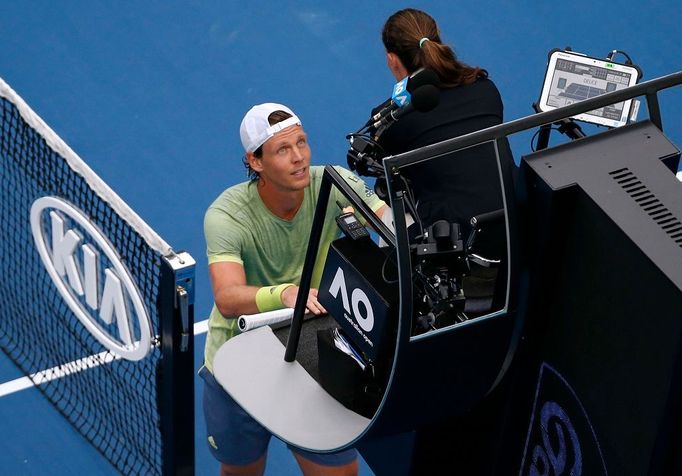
x=74 y=265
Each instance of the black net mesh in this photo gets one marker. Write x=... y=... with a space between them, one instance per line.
x=113 y=405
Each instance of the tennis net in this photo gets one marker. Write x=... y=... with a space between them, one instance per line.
x=93 y=293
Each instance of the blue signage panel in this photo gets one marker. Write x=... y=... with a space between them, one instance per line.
x=349 y=295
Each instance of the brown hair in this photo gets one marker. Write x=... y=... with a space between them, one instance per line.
x=402 y=34
x=273 y=118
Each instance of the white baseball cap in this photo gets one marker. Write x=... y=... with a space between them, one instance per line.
x=256 y=130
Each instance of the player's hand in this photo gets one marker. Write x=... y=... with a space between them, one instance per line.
x=312 y=305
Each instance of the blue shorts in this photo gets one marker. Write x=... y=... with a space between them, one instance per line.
x=235 y=438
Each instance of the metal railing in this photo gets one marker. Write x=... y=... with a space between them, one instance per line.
x=649 y=89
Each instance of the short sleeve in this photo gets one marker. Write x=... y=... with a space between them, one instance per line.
x=361 y=188
x=223 y=237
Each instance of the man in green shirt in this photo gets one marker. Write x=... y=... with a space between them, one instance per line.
x=257 y=234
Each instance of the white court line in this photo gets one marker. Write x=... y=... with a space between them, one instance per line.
x=201 y=327
x=38 y=378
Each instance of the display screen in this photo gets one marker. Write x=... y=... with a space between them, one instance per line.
x=350 y=219
x=572 y=77
x=573 y=82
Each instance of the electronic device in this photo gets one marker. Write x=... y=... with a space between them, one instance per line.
x=351 y=226
x=572 y=77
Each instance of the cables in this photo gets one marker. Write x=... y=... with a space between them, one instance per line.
x=532 y=139
x=613 y=53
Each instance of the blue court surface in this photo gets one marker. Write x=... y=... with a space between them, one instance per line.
x=151 y=95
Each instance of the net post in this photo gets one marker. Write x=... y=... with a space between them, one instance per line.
x=176 y=367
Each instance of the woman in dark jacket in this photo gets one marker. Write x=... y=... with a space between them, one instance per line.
x=453 y=187
x=459 y=185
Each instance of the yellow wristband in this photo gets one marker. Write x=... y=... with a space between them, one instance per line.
x=269 y=298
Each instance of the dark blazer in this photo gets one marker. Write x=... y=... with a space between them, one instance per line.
x=459 y=185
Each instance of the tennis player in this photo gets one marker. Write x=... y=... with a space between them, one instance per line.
x=256 y=235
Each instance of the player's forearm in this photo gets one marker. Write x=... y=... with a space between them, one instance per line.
x=235 y=301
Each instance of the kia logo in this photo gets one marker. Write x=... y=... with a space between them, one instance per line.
x=78 y=264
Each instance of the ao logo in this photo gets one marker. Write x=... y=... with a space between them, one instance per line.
x=358 y=296
x=400 y=94
x=560 y=444
x=76 y=281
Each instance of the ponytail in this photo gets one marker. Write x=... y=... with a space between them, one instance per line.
x=414 y=37
x=451 y=72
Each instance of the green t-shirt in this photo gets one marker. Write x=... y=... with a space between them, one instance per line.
x=239 y=228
